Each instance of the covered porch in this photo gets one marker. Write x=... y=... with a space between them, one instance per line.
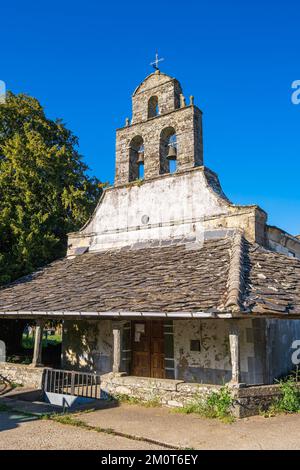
x=212 y=349
x=192 y=350
x=196 y=350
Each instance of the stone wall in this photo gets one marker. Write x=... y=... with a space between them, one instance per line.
x=166 y=392
x=21 y=374
x=250 y=401
x=187 y=124
x=247 y=401
x=166 y=89
x=186 y=121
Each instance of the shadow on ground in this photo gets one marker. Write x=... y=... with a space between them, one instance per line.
x=11 y=420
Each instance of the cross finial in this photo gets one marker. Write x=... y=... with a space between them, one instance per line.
x=156 y=61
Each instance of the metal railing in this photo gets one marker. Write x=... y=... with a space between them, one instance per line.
x=69 y=382
x=5 y=385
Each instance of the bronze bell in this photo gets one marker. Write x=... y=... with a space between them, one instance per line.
x=140 y=159
x=172 y=153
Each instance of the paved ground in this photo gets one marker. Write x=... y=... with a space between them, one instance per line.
x=21 y=432
x=280 y=432
x=157 y=424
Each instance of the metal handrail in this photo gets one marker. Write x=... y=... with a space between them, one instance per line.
x=69 y=382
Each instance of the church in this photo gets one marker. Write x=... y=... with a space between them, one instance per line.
x=169 y=285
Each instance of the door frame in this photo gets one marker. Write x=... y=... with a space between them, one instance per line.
x=150 y=324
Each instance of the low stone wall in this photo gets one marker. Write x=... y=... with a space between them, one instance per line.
x=21 y=374
x=248 y=401
x=165 y=391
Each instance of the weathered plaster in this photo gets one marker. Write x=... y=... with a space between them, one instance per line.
x=172 y=207
x=88 y=345
x=212 y=363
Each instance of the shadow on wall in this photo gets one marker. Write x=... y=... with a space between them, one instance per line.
x=81 y=350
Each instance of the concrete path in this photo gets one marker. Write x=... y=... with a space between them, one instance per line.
x=29 y=433
x=154 y=428
x=35 y=408
x=191 y=431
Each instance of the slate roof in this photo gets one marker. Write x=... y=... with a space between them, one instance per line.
x=156 y=279
x=272 y=282
x=226 y=275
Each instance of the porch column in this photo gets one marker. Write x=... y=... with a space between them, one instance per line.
x=117 y=332
x=234 y=342
x=38 y=339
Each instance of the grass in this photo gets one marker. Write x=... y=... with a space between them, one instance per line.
x=14 y=385
x=216 y=405
x=138 y=182
x=70 y=420
x=289 y=400
x=153 y=402
x=26 y=360
x=28 y=341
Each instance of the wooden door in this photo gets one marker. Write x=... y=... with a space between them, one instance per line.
x=141 y=358
x=148 y=349
x=157 y=349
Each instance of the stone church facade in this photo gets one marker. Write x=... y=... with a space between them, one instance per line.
x=169 y=281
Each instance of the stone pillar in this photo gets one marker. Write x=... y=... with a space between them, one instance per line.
x=117 y=334
x=234 y=342
x=38 y=339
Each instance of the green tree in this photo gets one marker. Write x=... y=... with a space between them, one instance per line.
x=45 y=191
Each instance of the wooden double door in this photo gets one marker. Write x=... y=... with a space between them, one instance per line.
x=148 y=358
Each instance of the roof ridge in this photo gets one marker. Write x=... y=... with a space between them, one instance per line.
x=235 y=280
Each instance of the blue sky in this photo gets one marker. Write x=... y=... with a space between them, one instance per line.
x=83 y=60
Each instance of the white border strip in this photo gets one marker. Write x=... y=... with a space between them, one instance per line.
x=79 y=314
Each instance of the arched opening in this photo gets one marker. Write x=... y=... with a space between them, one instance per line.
x=168 y=151
x=153 y=109
x=141 y=171
x=136 y=158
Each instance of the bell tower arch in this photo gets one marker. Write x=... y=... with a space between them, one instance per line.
x=159 y=113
